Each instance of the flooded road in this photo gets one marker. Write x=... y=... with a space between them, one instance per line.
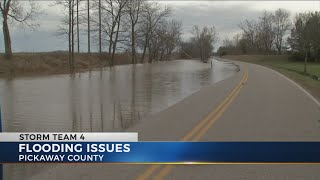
x=99 y=101
x=103 y=100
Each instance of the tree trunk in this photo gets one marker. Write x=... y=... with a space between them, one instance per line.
x=145 y=48
x=110 y=45
x=279 y=51
x=78 y=35
x=280 y=46
x=7 y=38
x=100 y=48
x=161 y=55
x=115 y=42
x=305 y=62
x=88 y=3
x=72 y=34
x=133 y=49
x=201 y=54
x=150 y=54
x=169 y=54
x=69 y=35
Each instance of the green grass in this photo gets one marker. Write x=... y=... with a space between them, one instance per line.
x=293 y=70
x=312 y=68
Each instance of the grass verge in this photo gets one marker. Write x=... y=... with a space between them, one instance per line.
x=47 y=63
x=293 y=70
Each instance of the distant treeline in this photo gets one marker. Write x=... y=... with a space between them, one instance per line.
x=115 y=26
x=144 y=29
x=139 y=27
x=276 y=33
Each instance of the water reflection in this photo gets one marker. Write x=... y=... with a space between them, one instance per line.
x=111 y=99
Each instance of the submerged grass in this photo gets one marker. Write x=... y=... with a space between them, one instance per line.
x=26 y=64
x=48 y=63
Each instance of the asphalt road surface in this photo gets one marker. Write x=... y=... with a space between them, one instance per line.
x=257 y=104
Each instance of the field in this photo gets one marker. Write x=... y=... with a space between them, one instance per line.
x=46 y=63
x=291 y=69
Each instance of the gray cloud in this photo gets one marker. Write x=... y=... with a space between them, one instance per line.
x=225 y=19
x=225 y=16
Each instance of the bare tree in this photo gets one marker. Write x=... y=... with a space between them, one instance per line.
x=264 y=35
x=311 y=34
x=172 y=38
x=205 y=39
x=134 y=11
x=67 y=26
x=15 y=10
x=164 y=40
x=282 y=25
x=235 y=46
x=249 y=29
x=227 y=42
x=112 y=12
x=119 y=12
x=153 y=14
x=300 y=40
x=259 y=35
x=266 y=31
x=197 y=38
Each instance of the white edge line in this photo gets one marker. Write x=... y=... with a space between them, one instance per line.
x=294 y=83
x=285 y=77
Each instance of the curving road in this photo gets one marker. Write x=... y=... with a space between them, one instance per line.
x=257 y=104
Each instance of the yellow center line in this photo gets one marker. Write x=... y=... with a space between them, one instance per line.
x=219 y=114
x=209 y=116
x=168 y=168
x=202 y=128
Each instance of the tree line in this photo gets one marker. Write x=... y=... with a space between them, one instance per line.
x=130 y=26
x=145 y=29
x=276 y=33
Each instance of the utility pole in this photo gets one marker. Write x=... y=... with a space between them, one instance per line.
x=88 y=4
x=100 y=50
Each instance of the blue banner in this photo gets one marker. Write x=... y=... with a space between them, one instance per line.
x=161 y=152
x=1 y=166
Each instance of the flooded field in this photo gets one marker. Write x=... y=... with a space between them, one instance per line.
x=98 y=101
x=103 y=100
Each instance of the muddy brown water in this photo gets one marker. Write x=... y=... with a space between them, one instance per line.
x=102 y=100
x=99 y=101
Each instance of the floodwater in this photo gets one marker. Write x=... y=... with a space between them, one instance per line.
x=99 y=101
x=105 y=100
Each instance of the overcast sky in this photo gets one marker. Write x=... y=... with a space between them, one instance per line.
x=224 y=15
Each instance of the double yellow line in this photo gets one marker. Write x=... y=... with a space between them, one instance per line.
x=198 y=131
